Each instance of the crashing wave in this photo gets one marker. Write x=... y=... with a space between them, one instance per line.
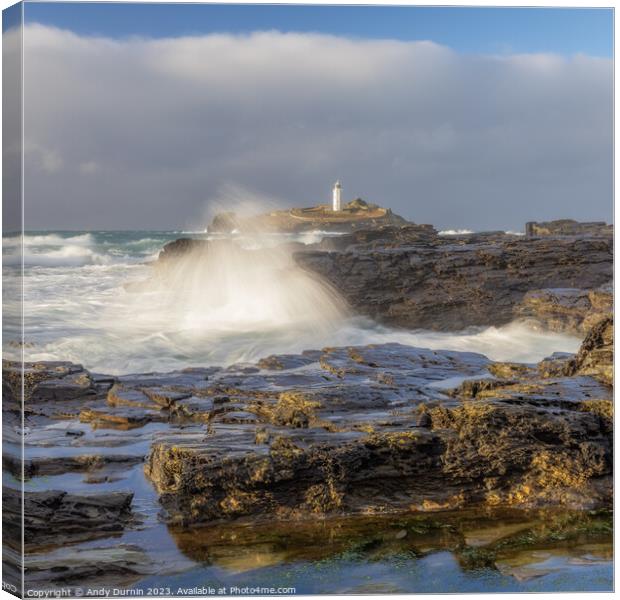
x=455 y=232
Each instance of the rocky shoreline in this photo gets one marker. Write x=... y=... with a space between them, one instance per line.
x=451 y=283
x=409 y=276
x=374 y=430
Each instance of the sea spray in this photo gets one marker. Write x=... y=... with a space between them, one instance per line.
x=223 y=287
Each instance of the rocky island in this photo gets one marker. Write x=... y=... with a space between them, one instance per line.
x=354 y=215
x=344 y=433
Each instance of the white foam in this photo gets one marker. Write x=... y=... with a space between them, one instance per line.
x=67 y=256
x=52 y=239
x=454 y=232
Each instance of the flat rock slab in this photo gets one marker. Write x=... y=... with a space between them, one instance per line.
x=55 y=518
x=57 y=465
x=119 y=565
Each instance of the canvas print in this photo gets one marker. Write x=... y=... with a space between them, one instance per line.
x=306 y=299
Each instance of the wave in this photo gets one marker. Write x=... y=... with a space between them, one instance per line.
x=52 y=239
x=68 y=256
x=455 y=232
x=58 y=250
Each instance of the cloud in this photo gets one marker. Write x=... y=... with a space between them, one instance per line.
x=40 y=158
x=89 y=167
x=145 y=133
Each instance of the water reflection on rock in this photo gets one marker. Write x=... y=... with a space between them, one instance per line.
x=507 y=549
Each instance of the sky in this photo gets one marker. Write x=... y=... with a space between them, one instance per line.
x=156 y=116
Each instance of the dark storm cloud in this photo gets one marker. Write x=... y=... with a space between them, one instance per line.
x=151 y=133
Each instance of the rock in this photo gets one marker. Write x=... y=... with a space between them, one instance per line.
x=225 y=222
x=119 y=566
x=385 y=236
x=567 y=310
x=55 y=518
x=568 y=227
x=356 y=214
x=45 y=466
x=554 y=365
x=357 y=442
x=401 y=535
x=182 y=247
x=119 y=417
x=596 y=355
x=44 y=382
x=452 y=284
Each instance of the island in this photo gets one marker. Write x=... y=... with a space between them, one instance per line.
x=354 y=215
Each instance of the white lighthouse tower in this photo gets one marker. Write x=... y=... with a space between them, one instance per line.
x=336 y=197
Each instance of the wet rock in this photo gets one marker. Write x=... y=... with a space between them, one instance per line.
x=526 y=454
x=288 y=361
x=119 y=566
x=44 y=382
x=45 y=466
x=165 y=397
x=119 y=417
x=554 y=365
x=568 y=227
x=182 y=247
x=121 y=395
x=54 y=518
x=389 y=236
x=449 y=284
x=385 y=433
x=596 y=355
x=570 y=310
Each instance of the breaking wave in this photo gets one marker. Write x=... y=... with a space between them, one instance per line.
x=51 y=250
x=454 y=232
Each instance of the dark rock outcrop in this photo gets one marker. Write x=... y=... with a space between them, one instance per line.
x=46 y=466
x=56 y=517
x=571 y=310
x=452 y=284
x=596 y=355
x=181 y=247
x=44 y=384
x=386 y=237
x=568 y=227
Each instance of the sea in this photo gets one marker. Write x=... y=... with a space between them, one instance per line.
x=91 y=297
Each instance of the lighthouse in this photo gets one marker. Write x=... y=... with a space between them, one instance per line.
x=336 y=197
